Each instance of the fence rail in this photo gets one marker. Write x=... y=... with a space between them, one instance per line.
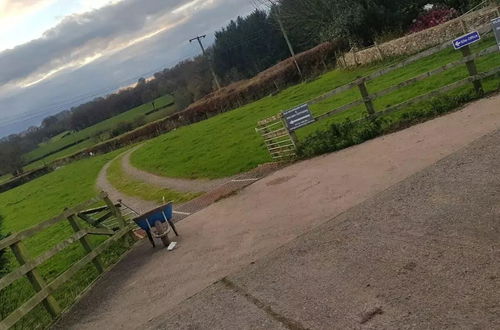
x=367 y=98
x=29 y=267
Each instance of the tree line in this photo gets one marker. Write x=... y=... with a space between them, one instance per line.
x=242 y=49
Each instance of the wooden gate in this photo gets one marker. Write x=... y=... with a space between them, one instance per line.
x=279 y=141
x=112 y=224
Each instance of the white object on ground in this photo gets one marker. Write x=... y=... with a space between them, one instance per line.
x=182 y=213
x=171 y=246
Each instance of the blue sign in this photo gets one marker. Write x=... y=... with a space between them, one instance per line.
x=298 y=117
x=466 y=40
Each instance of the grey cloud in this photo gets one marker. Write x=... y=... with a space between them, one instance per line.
x=80 y=36
x=103 y=76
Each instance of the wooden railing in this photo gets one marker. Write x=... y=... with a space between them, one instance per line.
x=368 y=98
x=29 y=267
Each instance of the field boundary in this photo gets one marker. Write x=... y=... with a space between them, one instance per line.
x=418 y=41
x=367 y=98
x=117 y=228
x=58 y=150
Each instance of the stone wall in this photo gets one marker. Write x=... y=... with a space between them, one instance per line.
x=416 y=42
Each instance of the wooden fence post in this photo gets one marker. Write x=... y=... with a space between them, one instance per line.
x=85 y=243
x=380 y=54
x=471 y=67
x=36 y=280
x=366 y=98
x=116 y=212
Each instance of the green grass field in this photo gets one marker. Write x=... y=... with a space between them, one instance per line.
x=59 y=141
x=145 y=191
x=39 y=200
x=228 y=144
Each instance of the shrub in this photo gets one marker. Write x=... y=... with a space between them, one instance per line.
x=127 y=126
x=432 y=18
x=340 y=136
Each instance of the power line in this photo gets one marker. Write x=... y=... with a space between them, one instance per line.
x=60 y=106
x=209 y=61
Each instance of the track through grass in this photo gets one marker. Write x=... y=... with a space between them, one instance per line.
x=131 y=187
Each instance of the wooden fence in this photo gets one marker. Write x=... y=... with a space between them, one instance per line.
x=367 y=98
x=111 y=222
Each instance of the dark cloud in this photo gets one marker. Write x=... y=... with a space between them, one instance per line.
x=80 y=36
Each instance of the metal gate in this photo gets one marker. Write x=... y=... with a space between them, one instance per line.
x=279 y=141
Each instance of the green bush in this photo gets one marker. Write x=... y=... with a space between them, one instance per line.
x=342 y=135
x=339 y=136
x=127 y=126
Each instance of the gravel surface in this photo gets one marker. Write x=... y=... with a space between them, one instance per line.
x=406 y=244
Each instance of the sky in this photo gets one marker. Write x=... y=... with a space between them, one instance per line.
x=55 y=54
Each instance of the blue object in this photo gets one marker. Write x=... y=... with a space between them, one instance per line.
x=466 y=40
x=298 y=117
x=163 y=214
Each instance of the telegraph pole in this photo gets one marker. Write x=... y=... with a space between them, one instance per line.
x=209 y=61
x=290 y=47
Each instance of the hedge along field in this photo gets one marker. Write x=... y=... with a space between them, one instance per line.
x=63 y=153
x=61 y=141
x=40 y=200
x=228 y=144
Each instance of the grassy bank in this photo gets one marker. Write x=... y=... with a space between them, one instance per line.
x=122 y=182
x=227 y=144
x=40 y=200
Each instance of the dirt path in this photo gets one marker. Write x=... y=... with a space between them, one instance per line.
x=139 y=205
x=181 y=185
x=423 y=254
x=218 y=189
x=237 y=231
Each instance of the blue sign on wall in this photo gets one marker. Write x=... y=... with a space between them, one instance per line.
x=466 y=40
